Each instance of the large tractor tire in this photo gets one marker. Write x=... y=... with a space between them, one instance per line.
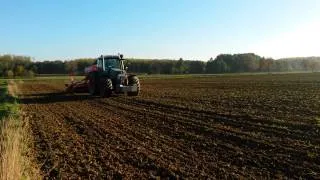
x=134 y=80
x=105 y=87
x=92 y=85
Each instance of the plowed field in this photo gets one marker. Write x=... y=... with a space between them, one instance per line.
x=258 y=126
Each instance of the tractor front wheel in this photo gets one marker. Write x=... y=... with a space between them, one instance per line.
x=105 y=87
x=134 y=80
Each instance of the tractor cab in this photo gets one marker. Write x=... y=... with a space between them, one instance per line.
x=106 y=63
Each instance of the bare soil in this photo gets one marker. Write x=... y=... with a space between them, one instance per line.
x=258 y=126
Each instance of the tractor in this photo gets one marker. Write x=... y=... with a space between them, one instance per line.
x=105 y=76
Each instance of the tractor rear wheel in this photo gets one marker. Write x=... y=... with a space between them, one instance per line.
x=105 y=87
x=134 y=80
x=92 y=85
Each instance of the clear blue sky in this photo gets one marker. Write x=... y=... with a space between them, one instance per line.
x=66 y=29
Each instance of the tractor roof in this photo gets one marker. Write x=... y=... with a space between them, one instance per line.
x=110 y=57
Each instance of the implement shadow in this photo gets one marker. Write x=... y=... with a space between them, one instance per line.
x=48 y=98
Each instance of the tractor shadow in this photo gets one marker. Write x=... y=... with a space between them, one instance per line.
x=55 y=97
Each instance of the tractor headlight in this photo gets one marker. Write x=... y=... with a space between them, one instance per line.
x=121 y=78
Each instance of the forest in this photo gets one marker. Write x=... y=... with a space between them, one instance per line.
x=23 y=66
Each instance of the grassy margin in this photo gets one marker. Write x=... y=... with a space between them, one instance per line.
x=15 y=140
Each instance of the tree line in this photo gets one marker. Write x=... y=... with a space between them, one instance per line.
x=249 y=62
x=18 y=66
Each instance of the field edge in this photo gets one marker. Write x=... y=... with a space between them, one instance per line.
x=16 y=159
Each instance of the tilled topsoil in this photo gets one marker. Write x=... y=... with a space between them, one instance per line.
x=197 y=128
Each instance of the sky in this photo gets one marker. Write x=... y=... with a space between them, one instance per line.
x=191 y=29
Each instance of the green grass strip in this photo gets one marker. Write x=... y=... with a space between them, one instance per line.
x=8 y=104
